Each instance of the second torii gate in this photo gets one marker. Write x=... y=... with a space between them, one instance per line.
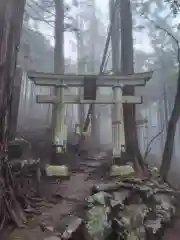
x=90 y=84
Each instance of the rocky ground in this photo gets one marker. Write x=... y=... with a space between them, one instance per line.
x=113 y=203
x=60 y=199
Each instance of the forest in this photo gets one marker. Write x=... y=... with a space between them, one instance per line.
x=157 y=50
x=94 y=38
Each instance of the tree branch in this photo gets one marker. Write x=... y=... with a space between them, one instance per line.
x=176 y=41
x=27 y=29
x=174 y=5
x=42 y=19
x=106 y=62
x=67 y=26
x=148 y=148
x=39 y=16
x=44 y=9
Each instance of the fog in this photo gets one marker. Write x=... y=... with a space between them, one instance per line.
x=153 y=50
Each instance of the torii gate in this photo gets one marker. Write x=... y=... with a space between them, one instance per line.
x=90 y=84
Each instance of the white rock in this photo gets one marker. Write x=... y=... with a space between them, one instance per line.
x=52 y=238
x=121 y=170
x=59 y=171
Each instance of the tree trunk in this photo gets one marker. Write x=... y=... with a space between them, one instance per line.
x=169 y=144
x=127 y=67
x=81 y=65
x=115 y=37
x=15 y=104
x=92 y=68
x=11 y=18
x=58 y=56
x=59 y=36
x=105 y=53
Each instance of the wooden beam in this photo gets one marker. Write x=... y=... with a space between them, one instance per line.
x=72 y=80
x=141 y=121
x=48 y=99
x=75 y=99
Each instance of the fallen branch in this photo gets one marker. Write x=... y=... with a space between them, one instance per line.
x=117 y=186
x=10 y=206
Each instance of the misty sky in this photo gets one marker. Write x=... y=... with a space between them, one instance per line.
x=141 y=39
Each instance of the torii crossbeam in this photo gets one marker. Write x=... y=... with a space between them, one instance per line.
x=116 y=82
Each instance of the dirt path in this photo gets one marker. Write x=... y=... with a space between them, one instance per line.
x=76 y=189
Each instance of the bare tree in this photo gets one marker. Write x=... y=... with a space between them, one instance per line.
x=169 y=144
x=115 y=36
x=59 y=36
x=127 y=67
x=11 y=17
x=81 y=62
x=102 y=67
x=148 y=148
x=58 y=51
x=93 y=33
x=175 y=115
